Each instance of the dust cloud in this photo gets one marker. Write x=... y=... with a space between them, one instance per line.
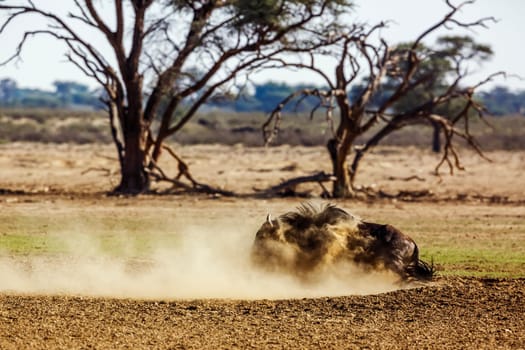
x=203 y=264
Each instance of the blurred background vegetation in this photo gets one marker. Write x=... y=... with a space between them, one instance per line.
x=73 y=113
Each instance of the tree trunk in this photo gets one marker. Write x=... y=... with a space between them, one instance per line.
x=134 y=178
x=340 y=146
x=436 y=140
x=342 y=186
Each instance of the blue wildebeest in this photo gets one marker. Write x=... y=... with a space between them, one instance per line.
x=309 y=239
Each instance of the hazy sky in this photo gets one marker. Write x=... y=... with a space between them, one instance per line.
x=44 y=62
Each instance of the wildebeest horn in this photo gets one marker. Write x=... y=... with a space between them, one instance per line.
x=269 y=219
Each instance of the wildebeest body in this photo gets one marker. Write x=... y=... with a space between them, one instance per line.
x=310 y=239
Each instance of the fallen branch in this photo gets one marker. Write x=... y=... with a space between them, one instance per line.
x=160 y=175
x=106 y=171
x=405 y=194
x=4 y=191
x=184 y=169
x=408 y=178
x=288 y=187
x=100 y=155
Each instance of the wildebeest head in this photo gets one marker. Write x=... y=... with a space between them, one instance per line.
x=301 y=240
x=307 y=239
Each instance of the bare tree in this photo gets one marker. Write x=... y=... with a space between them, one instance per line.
x=436 y=70
x=407 y=70
x=169 y=58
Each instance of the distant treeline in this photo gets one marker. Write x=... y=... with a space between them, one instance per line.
x=261 y=98
x=67 y=94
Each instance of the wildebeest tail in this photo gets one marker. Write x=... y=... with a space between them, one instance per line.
x=421 y=270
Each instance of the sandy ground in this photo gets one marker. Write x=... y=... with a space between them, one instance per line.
x=87 y=169
x=456 y=314
x=450 y=313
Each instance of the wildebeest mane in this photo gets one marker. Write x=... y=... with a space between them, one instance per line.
x=307 y=215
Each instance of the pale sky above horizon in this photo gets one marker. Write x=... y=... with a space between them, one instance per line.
x=44 y=61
